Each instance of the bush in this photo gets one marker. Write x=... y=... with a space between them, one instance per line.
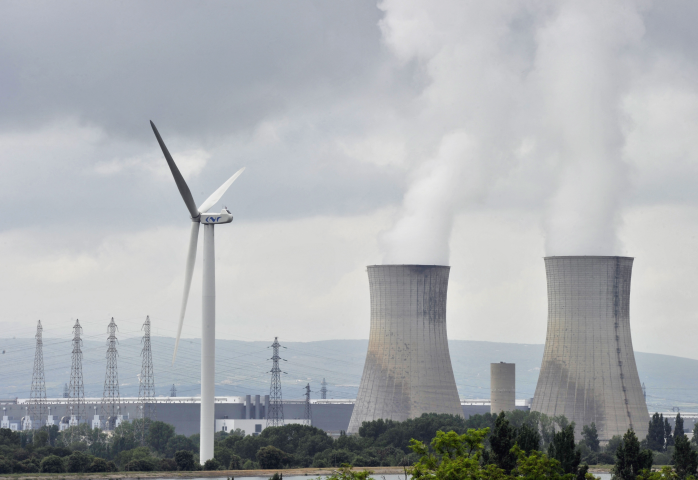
x=235 y=463
x=270 y=457
x=168 y=465
x=26 y=466
x=5 y=466
x=185 y=461
x=98 y=465
x=249 y=465
x=78 y=462
x=52 y=464
x=211 y=464
x=141 y=465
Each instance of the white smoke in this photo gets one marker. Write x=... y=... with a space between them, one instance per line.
x=582 y=72
x=462 y=126
x=548 y=75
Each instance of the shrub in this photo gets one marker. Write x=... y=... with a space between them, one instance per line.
x=235 y=463
x=98 y=465
x=185 y=461
x=52 y=464
x=270 y=457
x=5 y=466
x=168 y=465
x=211 y=464
x=249 y=465
x=141 y=465
x=26 y=466
x=78 y=462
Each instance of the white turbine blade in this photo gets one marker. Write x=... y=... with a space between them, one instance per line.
x=191 y=259
x=215 y=196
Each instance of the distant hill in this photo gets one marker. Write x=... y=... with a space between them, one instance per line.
x=242 y=368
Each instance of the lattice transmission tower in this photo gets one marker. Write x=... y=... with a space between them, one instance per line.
x=110 y=397
x=275 y=418
x=308 y=416
x=173 y=391
x=37 y=398
x=76 y=389
x=323 y=390
x=146 y=389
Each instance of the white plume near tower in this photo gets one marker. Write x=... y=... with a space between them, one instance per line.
x=201 y=215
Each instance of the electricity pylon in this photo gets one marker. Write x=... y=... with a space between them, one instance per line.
x=76 y=389
x=37 y=398
x=275 y=418
x=146 y=389
x=110 y=398
x=323 y=390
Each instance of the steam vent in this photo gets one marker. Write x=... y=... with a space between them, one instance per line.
x=588 y=372
x=408 y=368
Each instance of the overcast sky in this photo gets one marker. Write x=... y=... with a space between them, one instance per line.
x=485 y=135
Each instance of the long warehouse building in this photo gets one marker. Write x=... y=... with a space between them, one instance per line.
x=247 y=413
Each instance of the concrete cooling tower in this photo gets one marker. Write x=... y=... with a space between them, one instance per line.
x=408 y=368
x=588 y=372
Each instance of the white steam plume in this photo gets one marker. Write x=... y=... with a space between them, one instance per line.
x=581 y=73
x=462 y=130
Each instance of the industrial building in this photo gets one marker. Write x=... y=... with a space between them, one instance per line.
x=408 y=368
x=588 y=371
x=247 y=413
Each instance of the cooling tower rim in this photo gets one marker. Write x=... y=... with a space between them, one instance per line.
x=407 y=265
x=587 y=256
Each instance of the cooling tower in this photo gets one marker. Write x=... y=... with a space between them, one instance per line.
x=408 y=368
x=588 y=372
x=502 y=387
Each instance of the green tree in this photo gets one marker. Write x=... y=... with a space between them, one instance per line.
x=185 y=461
x=211 y=464
x=5 y=466
x=271 y=457
x=630 y=460
x=99 y=465
x=52 y=464
x=78 y=462
x=685 y=460
x=452 y=456
x=669 y=438
x=564 y=450
x=678 y=427
x=537 y=466
x=655 y=433
x=591 y=437
x=177 y=443
x=159 y=434
x=41 y=438
x=502 y=440
x=528 y=438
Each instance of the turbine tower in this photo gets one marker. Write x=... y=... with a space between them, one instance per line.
x=38 y=392
x=208 y=318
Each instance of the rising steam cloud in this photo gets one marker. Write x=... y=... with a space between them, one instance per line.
x=501 y=75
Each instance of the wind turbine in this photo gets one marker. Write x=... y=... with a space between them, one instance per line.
x=208 y=318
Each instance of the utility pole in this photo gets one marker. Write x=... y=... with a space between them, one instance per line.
x=275 y=418
x=76 y=390
x=308 y=416
x=37 y=398
x=110 y=398
x=323 y=390
x=146 y=389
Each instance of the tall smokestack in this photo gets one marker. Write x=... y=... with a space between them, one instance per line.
x=408 y=368
x=588 y=372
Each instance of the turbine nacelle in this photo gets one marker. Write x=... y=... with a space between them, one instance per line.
x=216 y=218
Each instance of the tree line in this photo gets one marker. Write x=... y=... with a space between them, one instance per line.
x=508 y=439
